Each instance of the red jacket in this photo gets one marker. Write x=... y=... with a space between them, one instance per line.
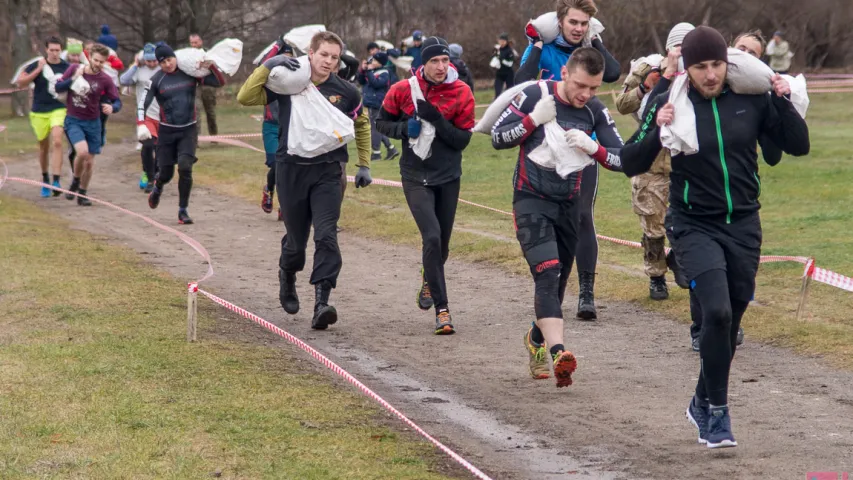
x=454 y=99
x=113 y=60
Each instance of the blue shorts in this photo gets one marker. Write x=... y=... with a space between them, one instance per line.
x=84 y=130
x=270 y=133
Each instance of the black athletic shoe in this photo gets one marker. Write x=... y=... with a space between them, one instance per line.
x=73 y=188
x=720 y=429
x=694 y=342
x=739 y=340
x=83 y=202
x=392 y=153
x=184 y=218
x=444 y=324
x=375 y=157
x=324 y=314
x=586 y=296
x=658 y=289
x=424 y=300
x=154 y=198
x=149 y=188
x=675 y=268
x=287 y=292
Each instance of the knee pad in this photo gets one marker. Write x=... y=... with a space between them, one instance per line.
x=546 y=277
x=185 y=163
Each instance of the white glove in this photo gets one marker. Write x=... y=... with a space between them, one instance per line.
x=142 y=133
x=544 y=111
x=580 y=140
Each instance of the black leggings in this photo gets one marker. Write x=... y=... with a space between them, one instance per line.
x=586 y=255
x=503 y=81
x=434 y=210
x=148 y=165
x=271 y=179
x=185 y=181
x=721 y=316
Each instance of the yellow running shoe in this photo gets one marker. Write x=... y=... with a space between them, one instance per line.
x=538 y=362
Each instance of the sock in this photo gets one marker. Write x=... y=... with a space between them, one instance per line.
x=56 y=178
x=557 y=349
x=714 y=407
x=76 y=181
x=45 y=177
x=81 y=192
x=536 y=335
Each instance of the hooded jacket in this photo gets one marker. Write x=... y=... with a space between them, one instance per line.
x=455 y=101
x=720 y=181
x=108 y=38
x=549 y=59
x=375 y=84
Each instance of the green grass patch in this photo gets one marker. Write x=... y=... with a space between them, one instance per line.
x=97 y=379
x=805 y=213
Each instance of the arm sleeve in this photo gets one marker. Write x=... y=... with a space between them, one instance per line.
x=253 y=92
x=629 y=101
x=784 y=127
x=639 y=153
x=129 y=77
x=515 y=125
x=529 y=69
x=507 y=57
x=111 y=93
x=392 y=126
x=27 y=76
x=362 y=138
x=215 y=78
x=361 y=77
x=662 y=88
x=64 y=82
x=610 y=149
x=378 y=81
x=149 y=97
x=771 y=153
x=612 y=69
x=455 y=137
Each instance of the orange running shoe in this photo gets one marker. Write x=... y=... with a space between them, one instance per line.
x=564 y=365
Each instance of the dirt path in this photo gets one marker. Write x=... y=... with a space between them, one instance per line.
x=623 y=418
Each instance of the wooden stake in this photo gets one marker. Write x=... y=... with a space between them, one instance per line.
x=192 y=312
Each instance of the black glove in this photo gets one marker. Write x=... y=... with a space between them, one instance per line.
x=362 y=178
x=289 y=63
x=428 y=112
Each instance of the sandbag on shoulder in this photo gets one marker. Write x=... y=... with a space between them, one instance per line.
x=284 y=81
x=548 y=27
x=22 y=67
x=226 y=55
x=748 y=75
x=497 y=107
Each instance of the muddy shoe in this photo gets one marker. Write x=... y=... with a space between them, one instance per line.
x=266 y=200
x=184 y=217
x=658 y=289
x=694 y=343
x=154 y=198
x=392 y=153
x=75 y=185
x=444 y=324
x=565 y=365
x=287 y=292
x=324 y=314
x=586 y=296
x=424 y=300
x=537 y=357
x=739 y=339
x=698 y=414
x=720 y=429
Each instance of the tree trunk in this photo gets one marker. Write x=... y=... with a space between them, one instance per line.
x=21 y=49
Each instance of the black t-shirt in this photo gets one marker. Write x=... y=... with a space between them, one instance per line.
x=43 y=101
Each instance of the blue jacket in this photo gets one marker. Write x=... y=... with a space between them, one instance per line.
x=552 y=57
x=108 y=38
x=415 y=52
x=376 y=84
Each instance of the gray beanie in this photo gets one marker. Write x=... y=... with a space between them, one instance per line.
x=455 y=50
x=676 y=35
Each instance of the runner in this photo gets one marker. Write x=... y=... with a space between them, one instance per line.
x=574 y=17
x=431 y=184
x=140 y=74
x=47 y=116
x=73 y=55
x=546 y=207
x=714 y=203
x=175 y=92
x=270 y=132
x=83 y=121
x=312 y=185
x=650 y=191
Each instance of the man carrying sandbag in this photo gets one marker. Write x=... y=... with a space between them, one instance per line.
x=650 y=191
x=433 y=113
x=546 y=205
x=574 y=19
x=309 y=188
x=174 y=90
x=714 y=202
x=47 y=116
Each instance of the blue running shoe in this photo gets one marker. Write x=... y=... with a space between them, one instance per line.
x=45 y=192
x=697 y=414
x=720 y=429
x=143 y=181
x=56 y=184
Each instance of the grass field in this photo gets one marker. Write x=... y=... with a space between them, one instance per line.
x=106 y=386
x=805 y=213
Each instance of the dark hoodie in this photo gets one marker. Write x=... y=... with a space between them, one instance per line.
x=108 y=38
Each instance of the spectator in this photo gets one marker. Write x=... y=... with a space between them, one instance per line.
x=505 y=75
x=461 y=67
x=208 y=93
x=373 y=48
x=415 y=50
x=107 y=38
x=780 y=53
x=375 y=80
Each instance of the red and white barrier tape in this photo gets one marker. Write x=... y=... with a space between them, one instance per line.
x=346 y=375
x=235 y=135
x=193 y=287
x=7 y=91
x=228 y=140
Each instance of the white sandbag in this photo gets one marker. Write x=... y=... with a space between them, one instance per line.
x=404 y=62
x=384 y=45
x=680 y=136
x=748 y=75
x=264 y=52
x=497 y=107
x=316 y=127
x=654 y=60
x=189 y=60
x=421 y=146
x=227 y=55
x=23 y=67
x=799 y=93
x=548 y=27
x=80 y=86
x=409 y=41
x=300 y=37
x=495 y=62
x=284 y=81
x=51 y=78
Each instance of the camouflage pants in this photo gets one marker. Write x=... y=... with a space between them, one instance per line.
x=650 y=193
x=208 y=103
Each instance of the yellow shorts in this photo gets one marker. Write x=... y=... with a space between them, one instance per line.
x=43 y=122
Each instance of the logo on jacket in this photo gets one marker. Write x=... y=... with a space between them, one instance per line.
x=333 y=99
x=519 y=100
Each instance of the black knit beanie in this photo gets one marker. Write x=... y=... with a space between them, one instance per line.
x=434 y=47
x=163 y=51
x=703 y=44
